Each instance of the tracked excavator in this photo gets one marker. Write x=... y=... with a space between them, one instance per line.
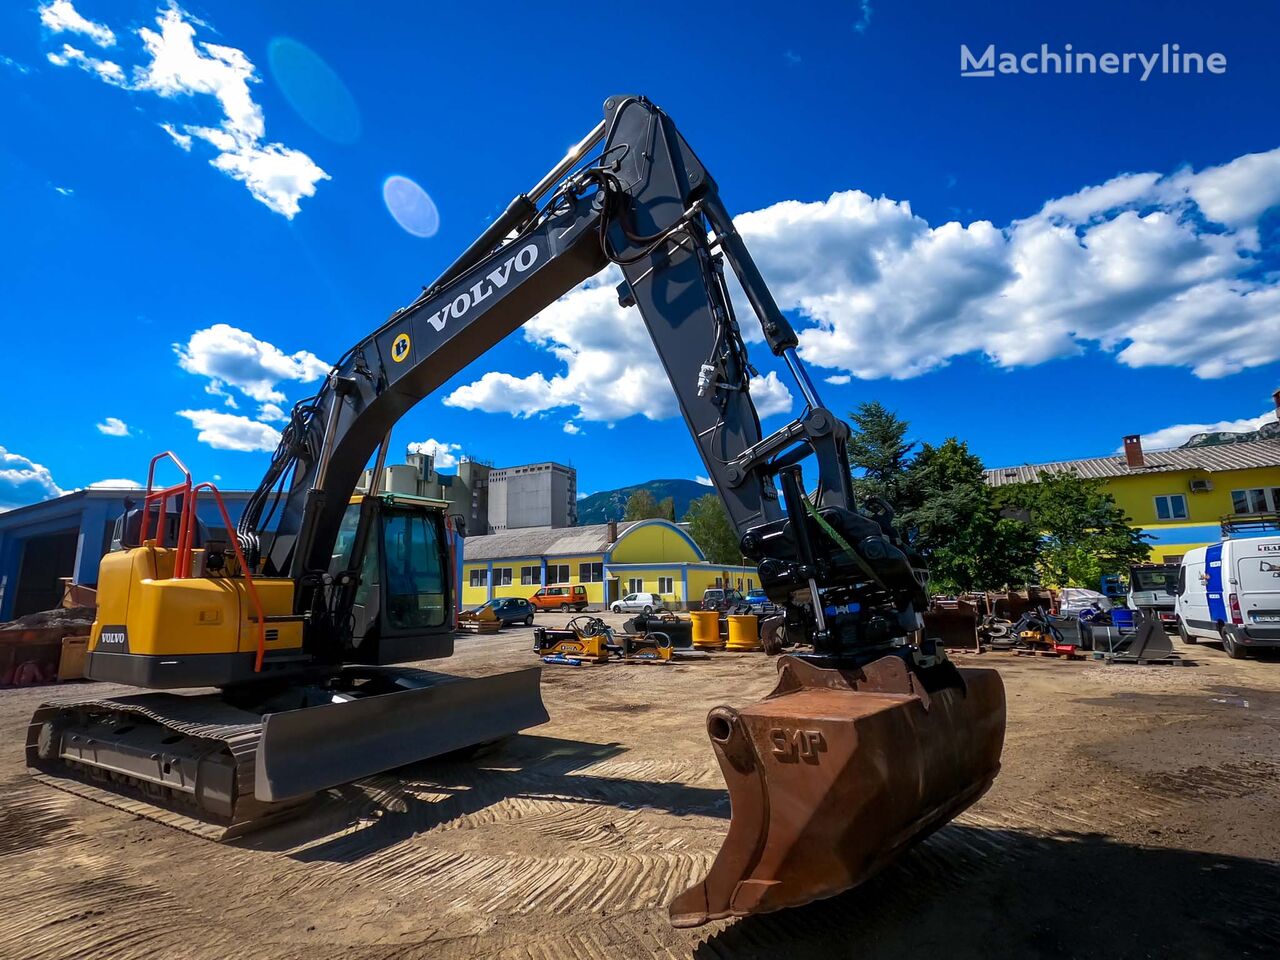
x=871 y=739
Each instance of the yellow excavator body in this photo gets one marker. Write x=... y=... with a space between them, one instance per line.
x=157 y=629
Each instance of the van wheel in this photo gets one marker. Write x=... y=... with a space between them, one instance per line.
x=1183 y=635
x=564 y=608
x=1234 y=650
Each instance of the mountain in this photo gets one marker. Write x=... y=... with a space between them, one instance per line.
x=612 y=504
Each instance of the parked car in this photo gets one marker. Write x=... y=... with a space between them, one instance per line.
x=503 y=609
x=1230 y=592
x=725 y=600
x=561 y=598
x=759 y=602
x=637 y=603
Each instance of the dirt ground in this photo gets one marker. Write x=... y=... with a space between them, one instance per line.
x=1137 y=815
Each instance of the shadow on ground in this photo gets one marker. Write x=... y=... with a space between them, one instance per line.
x=980 y=893
x=395 y=806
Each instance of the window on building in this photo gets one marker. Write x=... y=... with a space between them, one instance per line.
x=666 y=585
x=530 y=575
x=1172 y=506
x=502 y=576
x=635 y=585
x=590 y=572
x=479 y=578
x=557 y=573
x=719 y=583
x=1256 y=500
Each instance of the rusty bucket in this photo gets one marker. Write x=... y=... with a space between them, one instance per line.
x=835 y=773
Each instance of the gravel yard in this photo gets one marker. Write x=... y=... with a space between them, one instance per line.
x=1137 y=815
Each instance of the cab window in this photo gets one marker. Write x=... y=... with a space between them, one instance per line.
x=415 y=584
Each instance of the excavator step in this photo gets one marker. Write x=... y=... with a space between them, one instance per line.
x=836 y=772
x=219 y=770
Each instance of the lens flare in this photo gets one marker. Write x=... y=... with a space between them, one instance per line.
x=314 y=90
x=411 y=206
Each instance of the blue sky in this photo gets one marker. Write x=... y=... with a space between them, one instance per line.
x=935 y=237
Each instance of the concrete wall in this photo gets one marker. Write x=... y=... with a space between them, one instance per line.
x=532 y=495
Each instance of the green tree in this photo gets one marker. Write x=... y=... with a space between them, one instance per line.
x=1083 y=532
x=667 y=509
x=711 y=530
x=949 y=515
x=641 y=505
x=879 y=452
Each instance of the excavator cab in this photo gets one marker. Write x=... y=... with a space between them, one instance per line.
x=398 y=550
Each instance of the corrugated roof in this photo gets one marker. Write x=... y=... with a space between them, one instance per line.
x=1212 y=459
x=542 y=541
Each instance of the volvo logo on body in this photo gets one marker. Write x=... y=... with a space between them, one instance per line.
x=480 y=291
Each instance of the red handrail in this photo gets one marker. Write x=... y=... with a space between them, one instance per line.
x=188 y=522
x=184 y=558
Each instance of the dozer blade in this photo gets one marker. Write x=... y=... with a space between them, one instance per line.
x=313 y=748
x=836 y=772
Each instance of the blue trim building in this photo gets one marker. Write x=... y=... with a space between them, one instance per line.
x=67 y=537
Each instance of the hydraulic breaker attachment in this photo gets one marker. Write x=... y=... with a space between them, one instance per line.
x=838 y=771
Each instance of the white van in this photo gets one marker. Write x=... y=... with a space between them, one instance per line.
x=1230 y=591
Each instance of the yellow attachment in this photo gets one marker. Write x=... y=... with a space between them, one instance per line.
x=578 y=648
x=168 y=617
x=706 y=629
x=744 y=632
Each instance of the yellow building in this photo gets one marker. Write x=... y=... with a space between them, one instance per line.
x=610 y=559
x=1179 y=497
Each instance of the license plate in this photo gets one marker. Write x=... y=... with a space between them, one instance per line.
x=1266 y=618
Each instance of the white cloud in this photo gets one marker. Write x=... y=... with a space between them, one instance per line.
x=1128 y=267
x=1180 y=433
x=24 y=481
x=106 y=70
x=571 y=428
x=183 y=140
x=116 y=484
x=271 y=413
x=230 y=431
x=61 y=15
x=14 y=65
x=445 y=455
x=611 y=369
x=113 y=427
x=770 y=395
x=705 y=481
x=65 y=191
x=177 y=65
x=229 y=356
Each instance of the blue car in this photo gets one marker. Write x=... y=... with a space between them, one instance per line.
x=759 y=602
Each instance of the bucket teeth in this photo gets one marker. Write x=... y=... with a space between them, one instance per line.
x=835 y=773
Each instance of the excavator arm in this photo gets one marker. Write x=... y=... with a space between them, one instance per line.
x=645 y=206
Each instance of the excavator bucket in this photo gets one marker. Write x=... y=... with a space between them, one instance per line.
x=835 y=773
